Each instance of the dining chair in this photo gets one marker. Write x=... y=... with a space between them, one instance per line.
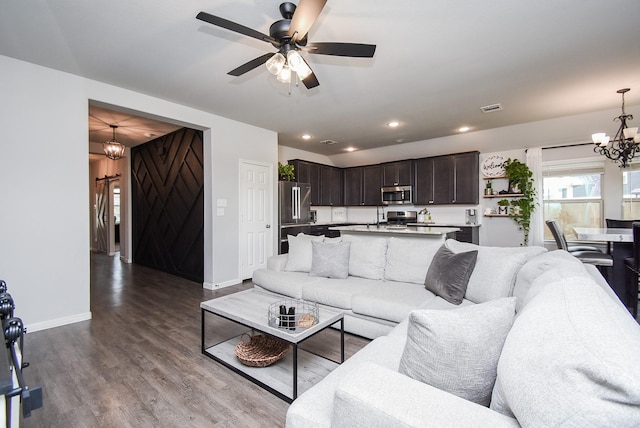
x=632 y=269
x=620 y=224
x=561 y=241
x=597 y=258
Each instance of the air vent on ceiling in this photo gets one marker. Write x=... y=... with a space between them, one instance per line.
x=491 y=108
x=328 y=142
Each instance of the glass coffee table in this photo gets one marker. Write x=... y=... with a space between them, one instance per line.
x=248 y=311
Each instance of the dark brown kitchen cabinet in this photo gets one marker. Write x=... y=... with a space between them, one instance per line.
x=447 y=180
x=466 y=182
x=353 y=186
x=308 y=172
x=371 y=184
x=397 y=173
x=331 y=186
x=362 y=185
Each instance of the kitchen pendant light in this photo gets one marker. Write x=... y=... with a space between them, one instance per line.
x=113 y=149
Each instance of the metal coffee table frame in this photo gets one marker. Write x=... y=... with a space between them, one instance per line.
x=249 y=309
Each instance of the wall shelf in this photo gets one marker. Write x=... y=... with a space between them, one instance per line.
x=497 y=215
x=505 y=195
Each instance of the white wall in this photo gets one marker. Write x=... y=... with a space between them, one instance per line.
x=288 y=153
x=44 y=172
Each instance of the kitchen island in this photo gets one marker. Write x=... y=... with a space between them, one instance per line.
x=412 y=232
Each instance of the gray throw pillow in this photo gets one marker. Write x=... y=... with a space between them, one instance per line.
x=330 y=259
x=458 y=350
x=449 y=273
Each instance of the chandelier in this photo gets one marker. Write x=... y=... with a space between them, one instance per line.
x=113 y=149
x=625 y=144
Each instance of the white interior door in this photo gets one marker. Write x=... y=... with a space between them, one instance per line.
x=256 y=225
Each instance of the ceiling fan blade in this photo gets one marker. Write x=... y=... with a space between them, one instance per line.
x=360 y=50
x=311 y=81
x=254 y=63
x=233 y=26
x=305 y=15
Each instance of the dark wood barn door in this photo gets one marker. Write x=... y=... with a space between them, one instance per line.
x=168 y=204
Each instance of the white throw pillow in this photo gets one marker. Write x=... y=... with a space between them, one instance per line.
x=300 y=252
x=494 y=275
x=408 y=260
x=330 y=259
x=367 y=257
x=458 y=350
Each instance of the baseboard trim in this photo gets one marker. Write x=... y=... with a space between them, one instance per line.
x=210 y=286
x=45 y=325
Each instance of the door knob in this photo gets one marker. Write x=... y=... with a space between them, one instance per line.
x=268 y=226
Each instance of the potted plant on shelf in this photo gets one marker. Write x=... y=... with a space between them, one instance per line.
x=521 y=181
x=285 y=172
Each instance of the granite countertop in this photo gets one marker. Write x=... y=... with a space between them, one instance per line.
x=409 y=230
x=435 y=224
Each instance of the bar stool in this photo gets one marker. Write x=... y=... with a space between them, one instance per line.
x=632 y=271
x=597 y=258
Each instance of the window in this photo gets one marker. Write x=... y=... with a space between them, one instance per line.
x=572 y=195
x=631 y=192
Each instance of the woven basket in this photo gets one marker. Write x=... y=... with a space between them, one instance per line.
x=260 y=350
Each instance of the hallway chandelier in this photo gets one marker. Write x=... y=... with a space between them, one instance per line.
x=625 y=144
x=113 y=149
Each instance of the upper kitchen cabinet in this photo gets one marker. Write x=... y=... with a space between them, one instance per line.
x=466 y=184
x=353 y=186
x=362 y=185
x=308 y=172
x=371 y=184
x=447 y=180
x=331 y=186
x=397 y=173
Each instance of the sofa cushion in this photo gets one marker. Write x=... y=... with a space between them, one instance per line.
x=390 y=300
x=300 y=252
x=329 y=259
x=458 y=350
x=571 y=359
x=494 y=274
x=449 y=274
x=336 y=292
x=373 y=396
x=543 y=269
x=285 y=283
x=367 y=257
x=314 y=407
x=408 y=259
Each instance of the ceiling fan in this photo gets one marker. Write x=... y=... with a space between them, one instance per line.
x=289 y=36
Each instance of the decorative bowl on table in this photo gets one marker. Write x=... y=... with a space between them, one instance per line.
x=293 y=315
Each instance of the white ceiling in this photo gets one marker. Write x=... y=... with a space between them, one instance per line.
x=437 y=61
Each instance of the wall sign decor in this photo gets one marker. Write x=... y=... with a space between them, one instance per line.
x=492 y=166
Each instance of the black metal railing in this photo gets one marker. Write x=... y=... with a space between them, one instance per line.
x=12 y=383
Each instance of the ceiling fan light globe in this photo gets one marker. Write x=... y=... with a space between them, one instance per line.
x=285 y=75
x=275 y=64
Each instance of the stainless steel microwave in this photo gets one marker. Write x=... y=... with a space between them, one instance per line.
x=397 y=195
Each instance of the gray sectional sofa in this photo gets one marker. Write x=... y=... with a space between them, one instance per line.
x=538 y=340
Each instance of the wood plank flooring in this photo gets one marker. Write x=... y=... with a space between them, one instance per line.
x=137 y=362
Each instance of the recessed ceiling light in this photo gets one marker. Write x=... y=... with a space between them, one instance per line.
x=393 y=124
x=463 y=129
x=306 y=137
x=350 y=149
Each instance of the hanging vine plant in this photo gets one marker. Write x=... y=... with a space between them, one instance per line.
x=521 y=181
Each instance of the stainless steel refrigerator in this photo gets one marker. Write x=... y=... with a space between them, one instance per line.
x=295 y=210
